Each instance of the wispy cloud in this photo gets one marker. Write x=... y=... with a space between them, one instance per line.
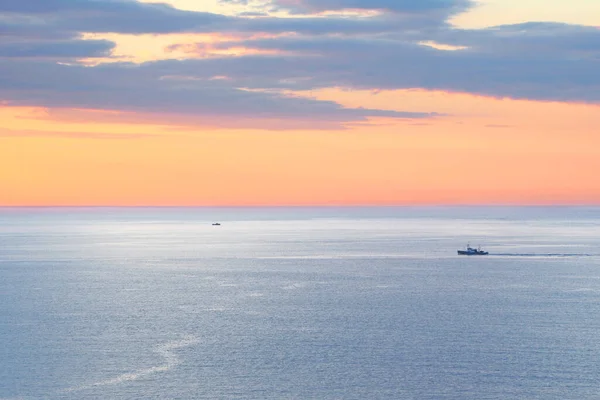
x=57 y=49
x=498 y=126
x=446 y=7
x=11 y=133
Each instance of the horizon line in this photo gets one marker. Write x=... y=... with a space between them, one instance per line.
x=313 y=205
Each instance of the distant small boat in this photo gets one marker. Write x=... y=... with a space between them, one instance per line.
x=216 y=224
x=472 y=252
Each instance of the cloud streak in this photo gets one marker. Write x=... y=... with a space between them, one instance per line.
x=57 y=49
x=28 y=133
x=155 y=87
x=446 y=7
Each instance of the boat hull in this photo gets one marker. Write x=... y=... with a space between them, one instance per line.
x=472 y=253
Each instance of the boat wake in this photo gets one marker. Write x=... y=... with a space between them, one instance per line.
x=542 y=255
x=166 y=350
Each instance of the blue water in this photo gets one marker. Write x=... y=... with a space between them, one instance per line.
x=331 y=303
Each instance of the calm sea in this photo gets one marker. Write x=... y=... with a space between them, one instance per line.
x=299 y=303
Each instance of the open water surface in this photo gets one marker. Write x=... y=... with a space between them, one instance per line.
x=305 y=303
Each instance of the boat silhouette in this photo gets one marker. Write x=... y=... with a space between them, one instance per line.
x=472 y=252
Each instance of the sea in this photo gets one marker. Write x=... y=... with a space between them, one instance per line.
x=299 y=303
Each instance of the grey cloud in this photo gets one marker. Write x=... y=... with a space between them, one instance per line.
x=252 y=14
x=57 y=49
x=53 y=6
x=533 y=39
x=152 y=18
x=154 y=88
x=538 y=61
x=563 y=71
x=400 y=6
x=64 y=17
x=24 y=27
x=406 y=25
x=329 y=46
x=87 y=6
x=120 y=16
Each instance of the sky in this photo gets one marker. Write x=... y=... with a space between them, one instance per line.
x=299 y=102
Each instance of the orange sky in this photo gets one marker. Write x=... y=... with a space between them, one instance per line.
x=484 y=151
x=492 y=151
